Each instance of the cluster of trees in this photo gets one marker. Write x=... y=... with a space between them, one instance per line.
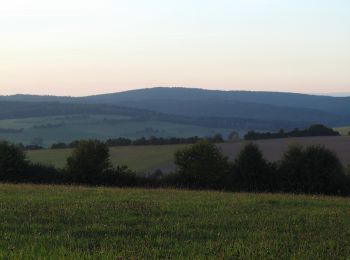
x=121 y=141
x=314 y=169
x=88 y=164
x=313 y=130
x=35 y=144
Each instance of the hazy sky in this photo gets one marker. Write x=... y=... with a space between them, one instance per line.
x=80 y=47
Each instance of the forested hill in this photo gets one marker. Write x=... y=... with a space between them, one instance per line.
x=199 y=103
x=333 y=105
x=18 y=109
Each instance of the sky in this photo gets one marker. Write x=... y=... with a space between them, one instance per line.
x=83 y=47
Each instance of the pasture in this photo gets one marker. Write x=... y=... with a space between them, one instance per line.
x=55 y=222
x=148 y=158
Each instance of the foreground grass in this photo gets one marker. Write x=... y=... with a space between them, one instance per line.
x=137 y=158
x=76 y=222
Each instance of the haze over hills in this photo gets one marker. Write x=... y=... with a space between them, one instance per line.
x=265 y=106
x=338 y=105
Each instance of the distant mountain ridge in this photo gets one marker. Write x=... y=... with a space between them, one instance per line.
x=269 y=106
x=337 y=105
x=340 y=105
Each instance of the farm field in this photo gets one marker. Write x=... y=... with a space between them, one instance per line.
x=274 y=148
x=55 y=129
x=147 y=158
x=345 y=130
x=137 y=158
x=55 y=222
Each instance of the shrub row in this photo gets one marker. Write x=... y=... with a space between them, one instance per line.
x=313 y=130
x=121 y=141
x=314 y=170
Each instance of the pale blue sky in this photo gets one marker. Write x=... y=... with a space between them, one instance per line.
x=80 y=47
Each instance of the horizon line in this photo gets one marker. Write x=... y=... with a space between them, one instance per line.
x=327 y=94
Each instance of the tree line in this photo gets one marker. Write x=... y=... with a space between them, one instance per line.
x=313 y=170
x=11 y=131
x=121 y=141
x=313 y=130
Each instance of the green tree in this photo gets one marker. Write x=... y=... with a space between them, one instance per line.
x=201 y=165
x=251 y=171
x=89 y=161
x=217 y=138
x=12 y=161
x=314 y=169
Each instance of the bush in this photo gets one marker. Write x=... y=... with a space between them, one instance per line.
x=59 y=146
x=251 y=172
x=12 y=162
x=201 y=166
x=89 y=161
x=314 y=169
x=120 y=176
x=43 y=174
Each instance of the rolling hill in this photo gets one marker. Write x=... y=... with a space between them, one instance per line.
x=167 y=112
x=215 y=103
x=332 y=105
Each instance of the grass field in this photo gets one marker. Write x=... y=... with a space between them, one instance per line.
x=55 y=222
x=137 y=158
x=74 y=127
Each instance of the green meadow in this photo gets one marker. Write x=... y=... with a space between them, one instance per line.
x=55 y=222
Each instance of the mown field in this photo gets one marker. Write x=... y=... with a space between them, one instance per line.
x=55 y=222
x=137 y=158
x=68 y=128
x=148 y=158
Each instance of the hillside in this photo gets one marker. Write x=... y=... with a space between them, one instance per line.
x=27 y=109
x=265 y=106
x=163 y=112
x=334 y=105
x=50 y=122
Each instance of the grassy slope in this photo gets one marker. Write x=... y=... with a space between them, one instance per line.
x=76 y=222
x=138 y=158
x=99 y=127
